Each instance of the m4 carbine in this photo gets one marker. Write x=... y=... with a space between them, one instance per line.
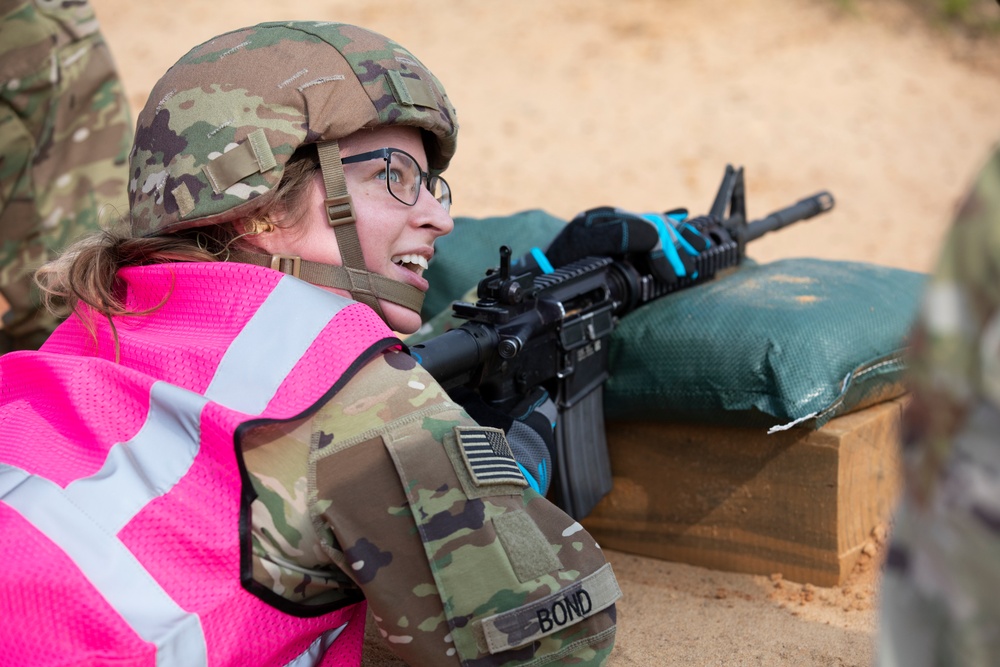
x=553 y=330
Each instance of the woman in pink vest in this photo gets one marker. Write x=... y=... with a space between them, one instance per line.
x=223 y=456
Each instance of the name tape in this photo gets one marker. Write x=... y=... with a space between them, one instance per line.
x=552 y=613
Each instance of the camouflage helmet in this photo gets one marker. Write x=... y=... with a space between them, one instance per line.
x=220 y=125
x=213 y=139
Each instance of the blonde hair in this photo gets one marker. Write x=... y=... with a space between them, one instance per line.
x=87 y=272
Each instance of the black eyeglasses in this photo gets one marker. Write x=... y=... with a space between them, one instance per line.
x=403 y=177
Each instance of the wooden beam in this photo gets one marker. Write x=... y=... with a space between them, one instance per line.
x=800 y=502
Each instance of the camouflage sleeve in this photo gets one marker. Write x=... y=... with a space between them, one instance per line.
x=938 y=593
x=65 y=131
x=461 y=562
x=955 y=360
x=286 y=556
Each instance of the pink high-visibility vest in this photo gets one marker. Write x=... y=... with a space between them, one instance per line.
x=123 y=511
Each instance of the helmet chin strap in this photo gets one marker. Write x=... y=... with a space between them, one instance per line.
x=363 y=285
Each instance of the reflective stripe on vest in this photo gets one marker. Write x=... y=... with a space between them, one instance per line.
x=84 y=518
x=312 y=655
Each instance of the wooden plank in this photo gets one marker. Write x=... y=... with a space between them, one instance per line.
x=870 y=477
x=798 y=502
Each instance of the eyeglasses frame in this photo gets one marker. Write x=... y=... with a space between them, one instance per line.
x=425 y=177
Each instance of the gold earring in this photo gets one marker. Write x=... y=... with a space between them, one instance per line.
x=254 y=227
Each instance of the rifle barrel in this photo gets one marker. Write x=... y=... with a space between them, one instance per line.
x=456 y=355
x=800 y=210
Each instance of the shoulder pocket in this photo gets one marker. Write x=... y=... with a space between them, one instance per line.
x=519 y=579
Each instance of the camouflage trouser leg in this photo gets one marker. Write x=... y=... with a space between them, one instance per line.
x=940 y=600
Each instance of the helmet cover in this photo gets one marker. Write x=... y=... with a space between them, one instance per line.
x=219 y=126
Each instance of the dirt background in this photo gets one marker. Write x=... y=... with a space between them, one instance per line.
x=568 y=104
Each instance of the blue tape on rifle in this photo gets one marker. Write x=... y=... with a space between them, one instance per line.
x=542 y=260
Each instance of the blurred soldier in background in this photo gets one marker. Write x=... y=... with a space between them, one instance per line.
x=940 y=601
x=65 y=131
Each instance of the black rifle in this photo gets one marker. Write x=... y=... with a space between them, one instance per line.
x=553 y=330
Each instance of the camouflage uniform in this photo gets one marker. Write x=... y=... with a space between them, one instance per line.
x=939 y=597
x=374 y=493
x=65 y=132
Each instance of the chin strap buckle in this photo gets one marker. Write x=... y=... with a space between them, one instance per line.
x=340 y=210
x=288 y=264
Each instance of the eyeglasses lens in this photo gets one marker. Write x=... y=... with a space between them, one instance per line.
x=405 y=179
x=439 y=190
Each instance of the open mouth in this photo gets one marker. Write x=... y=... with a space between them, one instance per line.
x=415 y=263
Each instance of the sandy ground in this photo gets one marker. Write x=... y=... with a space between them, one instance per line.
x=568 y=104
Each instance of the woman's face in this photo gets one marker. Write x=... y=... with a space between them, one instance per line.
x=397 y=240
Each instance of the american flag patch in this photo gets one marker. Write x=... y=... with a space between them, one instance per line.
x=488 y=456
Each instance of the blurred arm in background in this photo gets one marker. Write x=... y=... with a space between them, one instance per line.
x=65 y=132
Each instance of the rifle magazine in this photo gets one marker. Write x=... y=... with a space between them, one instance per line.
x=582 y=455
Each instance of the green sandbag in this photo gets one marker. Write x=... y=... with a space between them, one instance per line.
x=794 y=341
